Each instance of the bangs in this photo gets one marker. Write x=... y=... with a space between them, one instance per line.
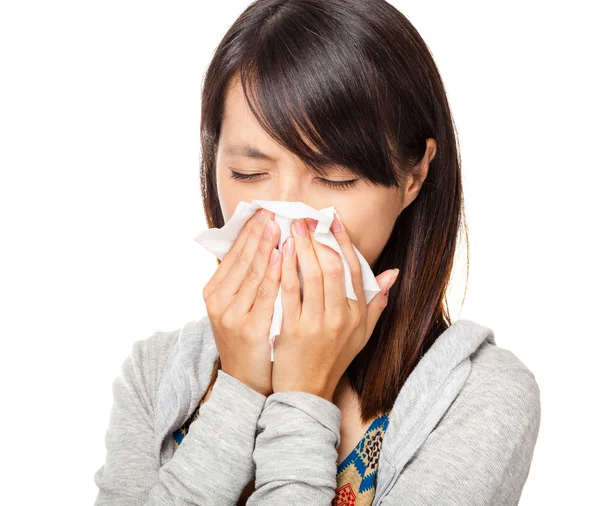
x=321 y=100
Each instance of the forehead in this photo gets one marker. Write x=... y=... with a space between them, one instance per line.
x=237 y=114
x=241 y=133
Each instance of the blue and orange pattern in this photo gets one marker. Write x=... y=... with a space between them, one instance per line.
x=356 y=474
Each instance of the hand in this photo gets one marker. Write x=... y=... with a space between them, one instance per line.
x=240 y=298
x=322 y=333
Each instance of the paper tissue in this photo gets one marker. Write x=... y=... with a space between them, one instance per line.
x=219 y=241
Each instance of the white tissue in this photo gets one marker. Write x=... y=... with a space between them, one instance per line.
x=219 y=241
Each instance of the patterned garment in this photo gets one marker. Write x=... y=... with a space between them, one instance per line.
x=356 y=475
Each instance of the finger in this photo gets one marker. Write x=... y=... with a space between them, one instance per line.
x=341 y=236
x=290 y=283
x=312 y=278
x=334 y=281
x=251 y=287
x=380 y=301
x=261 y=312
x=230 y=259
x=244 y=269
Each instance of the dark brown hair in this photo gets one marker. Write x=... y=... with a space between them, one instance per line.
x=355 y=79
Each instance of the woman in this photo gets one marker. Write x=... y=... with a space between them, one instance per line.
x=332 y=103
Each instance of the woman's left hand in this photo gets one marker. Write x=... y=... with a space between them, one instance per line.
x=321 y=335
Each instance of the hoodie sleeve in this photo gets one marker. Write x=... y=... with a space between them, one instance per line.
x=296 y=450
x=480 y=453
x=212 y=464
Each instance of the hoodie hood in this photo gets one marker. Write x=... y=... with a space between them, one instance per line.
x=428 y=392
x=426 y=395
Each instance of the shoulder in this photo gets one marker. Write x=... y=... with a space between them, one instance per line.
x=500 y=394
x=481 y=448
x=165 y=359
x=499 y=371
x=142 y=368
x=151 y=352
x=191 y=341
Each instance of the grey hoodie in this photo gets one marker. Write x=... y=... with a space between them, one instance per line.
x=461 y=432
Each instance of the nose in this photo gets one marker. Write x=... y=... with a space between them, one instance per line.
x=289 y=190
x=292 y=185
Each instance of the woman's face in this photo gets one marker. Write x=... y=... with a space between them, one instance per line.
x=368 y=212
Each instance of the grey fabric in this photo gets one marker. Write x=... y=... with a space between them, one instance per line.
x=462 y=430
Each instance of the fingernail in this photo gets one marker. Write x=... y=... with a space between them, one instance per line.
x=288 y=249
x=336 y=226
x=300 y=227
x=392 y=281
x=312 y=225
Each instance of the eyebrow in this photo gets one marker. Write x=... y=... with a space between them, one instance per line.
x=248 y=151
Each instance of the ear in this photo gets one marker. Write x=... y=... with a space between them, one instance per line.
x=415 y=180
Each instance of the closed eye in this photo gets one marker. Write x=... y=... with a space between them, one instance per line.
x=336 y=185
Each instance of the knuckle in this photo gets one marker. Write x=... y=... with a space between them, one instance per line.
x=228 y=321
x=246 y=332
x=253 y=275
x=335 y=269
x=243 y=258
x=288 y=285
x=357 y=318
x=313 y=277
x=206 y=291
x=337 y=321
x=314 y=330
x=262 y=293
x=211 y=307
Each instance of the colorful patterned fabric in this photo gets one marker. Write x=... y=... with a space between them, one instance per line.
x=356 y=475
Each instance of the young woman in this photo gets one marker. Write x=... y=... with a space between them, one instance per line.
x=331 y=103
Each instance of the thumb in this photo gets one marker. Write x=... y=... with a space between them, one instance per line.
x=379 y=302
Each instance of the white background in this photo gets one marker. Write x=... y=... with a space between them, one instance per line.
x=100 y=201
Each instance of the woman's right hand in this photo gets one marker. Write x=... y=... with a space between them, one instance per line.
x=239 y=300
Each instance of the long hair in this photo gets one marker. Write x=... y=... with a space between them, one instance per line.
x=355 y=79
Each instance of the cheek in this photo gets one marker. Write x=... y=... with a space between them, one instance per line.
x=366 y=242
x=357 y=229
x=369 y=236
x=229 y=196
